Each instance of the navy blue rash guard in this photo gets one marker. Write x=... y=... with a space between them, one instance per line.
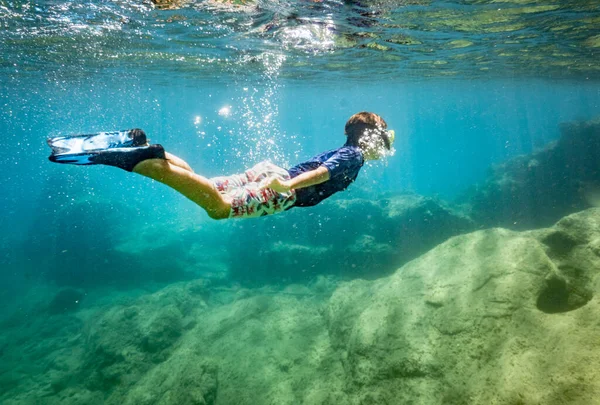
x=343 y=164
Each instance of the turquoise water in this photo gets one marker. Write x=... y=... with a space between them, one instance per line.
x=466 y=85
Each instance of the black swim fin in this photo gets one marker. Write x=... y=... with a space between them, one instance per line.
x=121 y=149
x=123 y=158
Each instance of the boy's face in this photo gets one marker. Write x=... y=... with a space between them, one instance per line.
x=373 y=147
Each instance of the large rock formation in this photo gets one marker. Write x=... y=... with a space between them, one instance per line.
x=537 y=190
x=491 y=317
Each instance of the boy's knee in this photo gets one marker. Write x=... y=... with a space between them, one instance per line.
x=221 y=212
x=218 y=215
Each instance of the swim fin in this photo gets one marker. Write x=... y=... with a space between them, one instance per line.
x=102 y=140
x=105 y=148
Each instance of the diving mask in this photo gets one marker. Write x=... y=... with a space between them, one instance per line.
x=391 y=136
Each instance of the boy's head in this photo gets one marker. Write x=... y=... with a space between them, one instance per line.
x=369 y=132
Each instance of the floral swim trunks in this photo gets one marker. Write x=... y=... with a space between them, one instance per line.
x=247 y=199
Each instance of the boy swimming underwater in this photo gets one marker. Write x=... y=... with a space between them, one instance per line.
x=264 y=189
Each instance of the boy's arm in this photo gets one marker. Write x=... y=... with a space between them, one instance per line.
x=306 y=179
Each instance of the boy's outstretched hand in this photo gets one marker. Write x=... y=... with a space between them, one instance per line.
x=276 y=184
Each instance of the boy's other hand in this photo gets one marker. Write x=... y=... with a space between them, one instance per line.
x=276 y=184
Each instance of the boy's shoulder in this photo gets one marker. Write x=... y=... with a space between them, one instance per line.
x=346 y=156
x=349 y=152
x=345 y=151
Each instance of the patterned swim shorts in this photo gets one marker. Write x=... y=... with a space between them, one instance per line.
x=247 y=199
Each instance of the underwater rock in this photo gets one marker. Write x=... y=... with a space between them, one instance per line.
x=66 y=300
x=271 y=349
x=537 y=190
x=184 y=379
x=248 y=351
x=490 y=317
x=127 y=340
x=331 y=241
x=479 y=320
x=574 y=247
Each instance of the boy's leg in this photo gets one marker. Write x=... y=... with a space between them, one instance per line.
x=195 y=187
x=174 y=160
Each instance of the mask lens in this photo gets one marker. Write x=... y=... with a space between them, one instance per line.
x=391 y=136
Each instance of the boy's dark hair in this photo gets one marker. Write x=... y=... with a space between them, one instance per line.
x=359 y=122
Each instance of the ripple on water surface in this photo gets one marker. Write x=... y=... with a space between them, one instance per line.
x=415 y=38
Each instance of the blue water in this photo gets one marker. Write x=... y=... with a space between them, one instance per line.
x=449 y=132
x=226 y=88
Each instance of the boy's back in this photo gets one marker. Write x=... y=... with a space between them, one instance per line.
x=343 y=165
